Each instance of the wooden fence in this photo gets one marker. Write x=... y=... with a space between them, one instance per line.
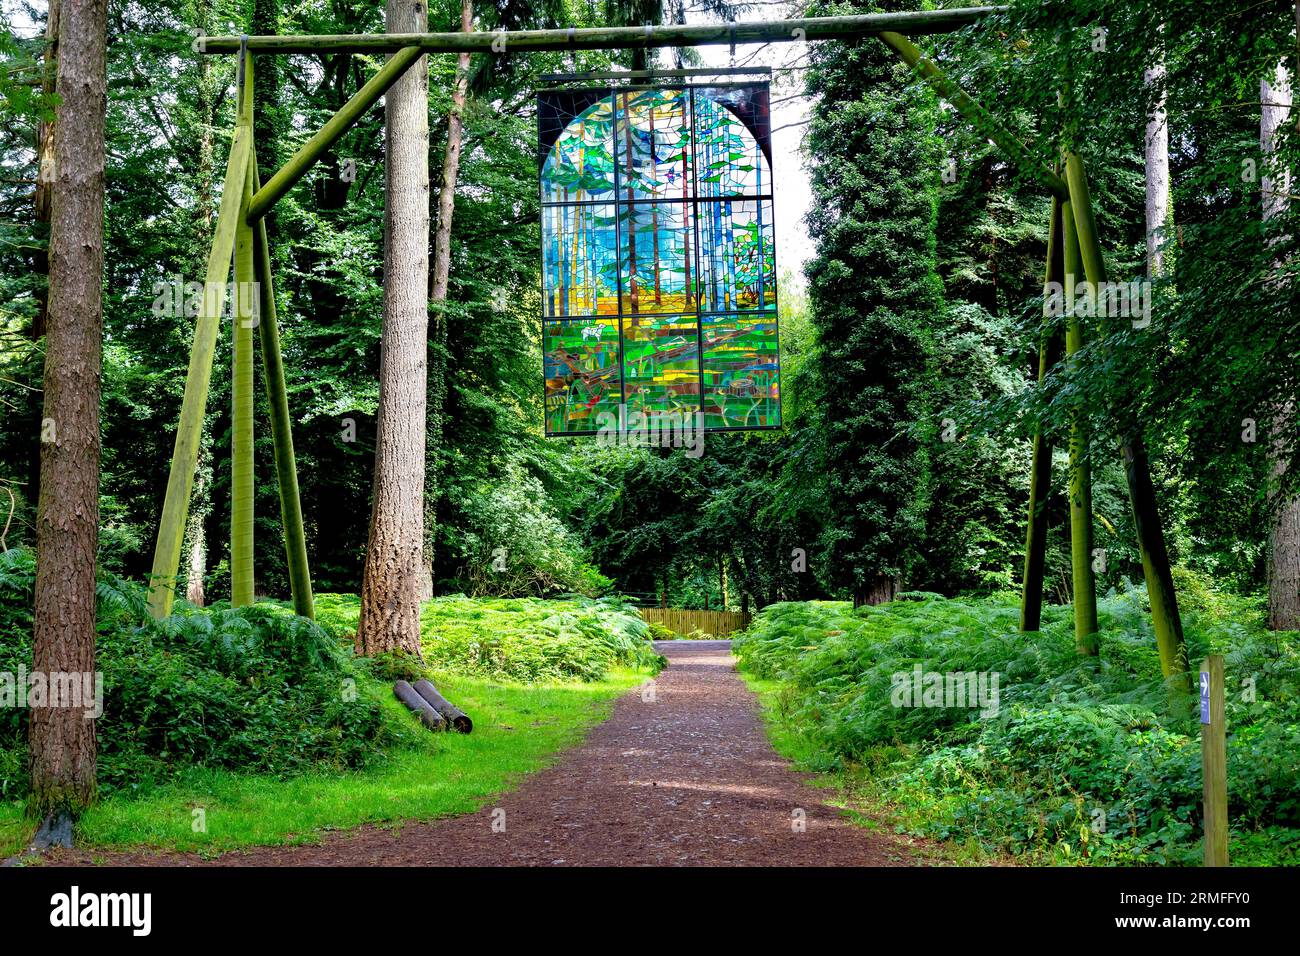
x=686 y=622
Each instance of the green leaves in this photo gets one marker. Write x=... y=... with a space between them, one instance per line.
x=1083 y=762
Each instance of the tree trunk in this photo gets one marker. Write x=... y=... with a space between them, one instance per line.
x=1040 y=477
x=45 y=166
x=1157 y=173
x=390 y=600
x=880 y=590
x=62 y=738
x=197 y=547
x=45 y=169
x=1284 y=537
x=438 y=283
x=266 y=96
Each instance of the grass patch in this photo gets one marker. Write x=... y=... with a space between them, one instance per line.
x=270 y=725
x=517 y=729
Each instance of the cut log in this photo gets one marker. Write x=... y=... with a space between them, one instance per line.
x=456 y=717
x=407 y=695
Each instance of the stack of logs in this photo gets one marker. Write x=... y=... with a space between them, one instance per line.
x=434 y=710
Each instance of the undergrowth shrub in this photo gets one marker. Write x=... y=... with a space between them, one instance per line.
x=1089 y=759
x=519 y=639
x=252 y=688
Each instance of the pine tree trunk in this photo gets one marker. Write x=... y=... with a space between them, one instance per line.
x=1284 y=537
x=390 y=605
x=45 y=169
x=45 y=165
x=880 y=590
x=62 y=739
x=438 y=284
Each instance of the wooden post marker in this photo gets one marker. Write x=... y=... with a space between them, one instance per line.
x=1214 y=762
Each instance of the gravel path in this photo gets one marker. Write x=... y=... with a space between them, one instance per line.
x=684 y=778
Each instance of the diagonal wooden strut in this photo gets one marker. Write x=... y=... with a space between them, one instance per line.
x=171 y=526
x=312 y=150
x=237 y=234
x=981 y=118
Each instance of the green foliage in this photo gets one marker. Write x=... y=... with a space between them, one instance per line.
x=507 y=542
x=875 y=294
x=252 y=688
x=1074 y=742
x=524 y=639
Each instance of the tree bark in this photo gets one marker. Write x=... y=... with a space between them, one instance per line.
x=880 y=590
x=62 y=738
x=1284 y=534
x=438 y=284
x=390 y=605
x=40 y=257
x=197 y=547
x=1157 y=172
x=1040 y=476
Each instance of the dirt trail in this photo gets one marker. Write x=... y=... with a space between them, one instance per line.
x=687 y=778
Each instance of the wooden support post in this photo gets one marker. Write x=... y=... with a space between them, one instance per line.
x=1146 y=517
x=1081 y=540
x=312 y=150
x=1214 y=762
x=244 y=316
x=286 y=471
x=1040 y=479
x=171 y=525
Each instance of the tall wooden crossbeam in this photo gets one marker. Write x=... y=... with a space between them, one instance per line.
x=915 y=22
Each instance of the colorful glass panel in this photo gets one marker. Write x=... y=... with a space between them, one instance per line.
x=658 y=257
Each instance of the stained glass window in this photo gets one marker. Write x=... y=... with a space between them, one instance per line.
x=658 y=257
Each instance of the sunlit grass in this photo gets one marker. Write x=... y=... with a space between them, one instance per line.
x=517 y=729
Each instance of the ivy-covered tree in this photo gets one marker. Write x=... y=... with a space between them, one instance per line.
x=875 y=295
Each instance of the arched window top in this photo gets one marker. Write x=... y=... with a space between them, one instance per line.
x=658 y=258
x=705 y=142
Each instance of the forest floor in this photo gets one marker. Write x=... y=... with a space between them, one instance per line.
x=680 y=774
